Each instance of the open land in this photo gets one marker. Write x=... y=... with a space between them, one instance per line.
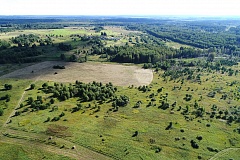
x=184 y=105
x=119 y=75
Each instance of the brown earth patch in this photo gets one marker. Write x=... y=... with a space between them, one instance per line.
x=120 y=75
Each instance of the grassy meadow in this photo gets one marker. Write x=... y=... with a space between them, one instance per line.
x=20 y=152
x=111 y=133
x=143 y=129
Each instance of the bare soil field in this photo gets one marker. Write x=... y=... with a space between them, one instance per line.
x=119 y=75
x=120 y=30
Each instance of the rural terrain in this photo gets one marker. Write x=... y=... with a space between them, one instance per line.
x=119 y=88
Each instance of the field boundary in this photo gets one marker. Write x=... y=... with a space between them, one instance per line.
x=222 y=152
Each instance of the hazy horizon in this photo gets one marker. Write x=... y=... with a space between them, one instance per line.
x=206 y=8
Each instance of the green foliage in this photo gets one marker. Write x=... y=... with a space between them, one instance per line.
x=6 y=97
x=1 y=111
x=63 y=57
x=4 y=44
x=45 y=85
x=30 y=100
x=87 y=92
x=164 y=105
x=32 y=86
x=7 y=86
x=211 y=57
x=211 y=94
x=169 y=126
x=194 y=144
x=58 y=67
x=122 y=101
x=212 y=149
x=65 y=47
x=25 y=40
x=188 y=97
x=9 y=151
x=19 y=55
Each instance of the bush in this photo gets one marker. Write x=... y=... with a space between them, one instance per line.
x=52 y=101
x=138 y=104
x=135 y=134
x=158 y=149
x=122 y=101
x=199 y=138
x=8 y=86
x=1 y=111
x=188 y=97
x=48 y=119
x=194 y=144
x=21 y=105
x=62 y=114
x=55 y=119
x=58 y=67
x=169 y=126
x=6 y=97
x=212 y=149
x=164 y=105
x=45 y=85
x=32 y=86
x=211 y=94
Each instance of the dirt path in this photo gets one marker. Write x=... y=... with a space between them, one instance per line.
x=78 y=153
x=18 y=104
x=223 y=152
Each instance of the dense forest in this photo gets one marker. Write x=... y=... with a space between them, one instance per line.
x=204 y=36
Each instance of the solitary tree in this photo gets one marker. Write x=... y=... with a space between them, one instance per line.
x=32 y=86
x=211 y=57
x=8 y=86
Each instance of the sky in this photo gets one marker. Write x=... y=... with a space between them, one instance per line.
x=121 y=7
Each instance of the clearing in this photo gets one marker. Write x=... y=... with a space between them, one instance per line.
x=120 y=75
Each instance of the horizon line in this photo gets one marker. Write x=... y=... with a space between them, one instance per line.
x=123 y=15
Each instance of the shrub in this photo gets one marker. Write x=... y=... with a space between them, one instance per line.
x=138 y=104
x=188 y=97
x=122 y=101
x=164 y=105
x=45 y=85
x=55 y=119
x=169 y=126
x=1 y=111
x=21 y=105
x=194 y=144
x=17 y=113
x=199 y=138
x=62 y=114
x=212 y=149
x=48 y=119
x=52 y=101
x=158 y=149
x=58 y=67
x=135 y=134
x=211 y=94
x=32 y=86
x=8 y=86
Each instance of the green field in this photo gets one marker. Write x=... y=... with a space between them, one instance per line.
x=111 y=132
x=186 y=112
x=19 y=152
x=176 y=45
